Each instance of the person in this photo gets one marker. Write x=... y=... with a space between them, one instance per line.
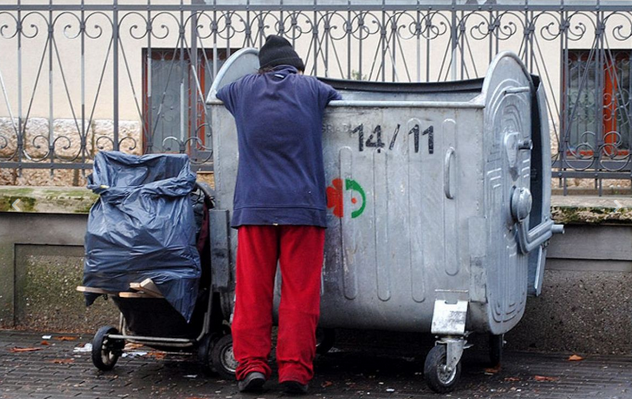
x=279 y=211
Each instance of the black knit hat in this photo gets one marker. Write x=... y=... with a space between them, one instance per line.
x=278 y=51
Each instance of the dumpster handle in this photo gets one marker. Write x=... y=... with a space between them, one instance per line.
x=447 y=187
x=530 y=239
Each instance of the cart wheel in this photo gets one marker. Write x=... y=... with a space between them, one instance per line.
x=325 y=339
x=222 y=357
x=437 y=377
x=496 y=343
x=204 y=352
x=106 y=351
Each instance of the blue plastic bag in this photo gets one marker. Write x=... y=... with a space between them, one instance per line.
x=143 y=227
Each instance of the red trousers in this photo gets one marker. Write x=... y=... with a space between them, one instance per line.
x=299 y=252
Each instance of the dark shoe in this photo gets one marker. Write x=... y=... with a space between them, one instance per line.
x=252 y=383
x=294 y=387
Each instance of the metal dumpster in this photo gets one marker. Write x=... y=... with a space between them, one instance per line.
x=439 y=204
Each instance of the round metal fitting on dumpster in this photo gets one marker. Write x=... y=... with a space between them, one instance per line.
x=439 y=202
x=521 y=202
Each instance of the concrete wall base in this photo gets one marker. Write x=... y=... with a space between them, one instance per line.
x=579 y=311
x=585 y=306
x=41 y=264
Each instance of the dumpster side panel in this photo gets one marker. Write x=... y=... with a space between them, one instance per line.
x=540 y=187
x=225 y=159
x=400 y=197
x=508 y=167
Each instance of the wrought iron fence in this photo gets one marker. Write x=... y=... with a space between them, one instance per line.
x=79 y=77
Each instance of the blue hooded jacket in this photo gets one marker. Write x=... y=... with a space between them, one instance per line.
x=280 y=178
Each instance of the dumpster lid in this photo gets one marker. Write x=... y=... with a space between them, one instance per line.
x=462 y=86
x=470 y=93
x=242 y=63
x=363 y=93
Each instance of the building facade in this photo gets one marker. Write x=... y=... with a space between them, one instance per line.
x=82 y=76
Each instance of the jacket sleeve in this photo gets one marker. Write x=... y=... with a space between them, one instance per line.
x=327 y=94
x=227 y=94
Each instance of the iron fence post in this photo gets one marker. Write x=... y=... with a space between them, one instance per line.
x=115 y=74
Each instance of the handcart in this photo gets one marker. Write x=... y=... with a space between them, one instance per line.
x=146 y=316
x=439 y=204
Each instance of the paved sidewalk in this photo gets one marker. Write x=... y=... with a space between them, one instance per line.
x=55 y=370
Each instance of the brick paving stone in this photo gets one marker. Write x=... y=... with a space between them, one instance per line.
x=350 y=373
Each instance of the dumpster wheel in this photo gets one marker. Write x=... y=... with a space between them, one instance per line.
x=436 y=374
x=205 y=347
x=105 y=350
x=222 y=357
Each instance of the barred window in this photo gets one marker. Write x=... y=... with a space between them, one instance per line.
x=174 y=97
x=597 y=106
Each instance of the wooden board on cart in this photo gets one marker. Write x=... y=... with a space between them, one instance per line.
x=94 y=290
x=148 y=287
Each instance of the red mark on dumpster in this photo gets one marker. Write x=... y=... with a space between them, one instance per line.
x=335 y=197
